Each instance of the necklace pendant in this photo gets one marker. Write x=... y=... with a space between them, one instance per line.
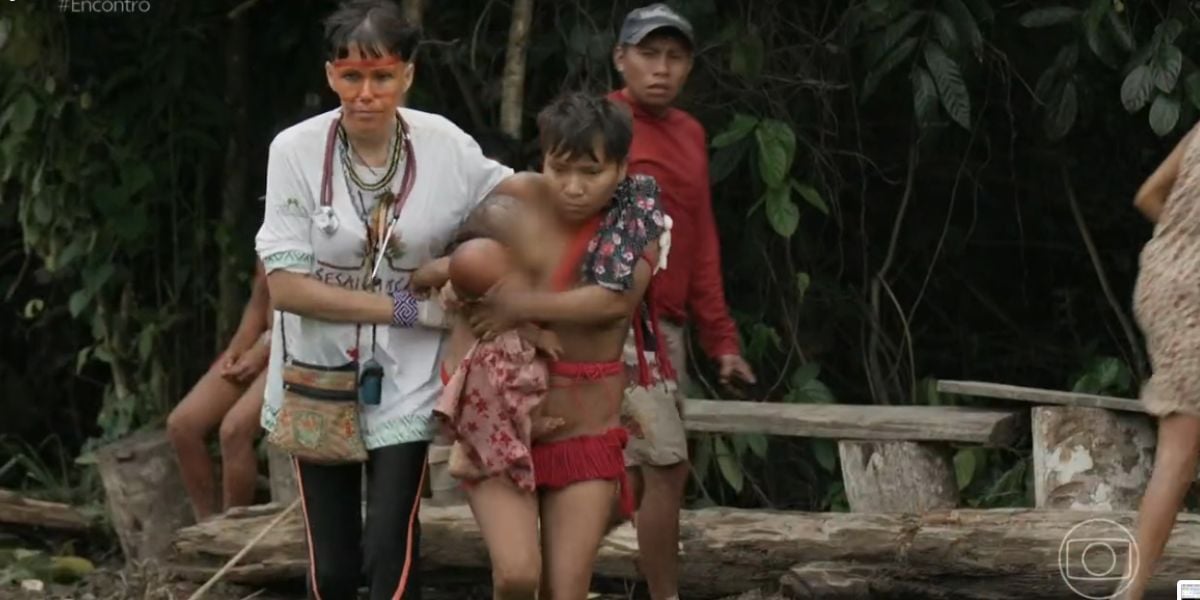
x=326 y=220
x=386 y=198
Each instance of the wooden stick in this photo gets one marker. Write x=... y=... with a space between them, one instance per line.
x=236 y=557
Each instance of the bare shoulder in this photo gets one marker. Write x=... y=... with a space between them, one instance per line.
x=527 y=186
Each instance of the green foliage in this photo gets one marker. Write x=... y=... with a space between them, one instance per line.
x=1105 y=375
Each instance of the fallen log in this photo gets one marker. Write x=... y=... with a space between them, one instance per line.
x=969 y=554
x=16 y=509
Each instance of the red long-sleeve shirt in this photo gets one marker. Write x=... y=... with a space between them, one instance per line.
x=672 y=149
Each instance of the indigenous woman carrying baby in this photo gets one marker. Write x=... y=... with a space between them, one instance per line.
x=597 y=244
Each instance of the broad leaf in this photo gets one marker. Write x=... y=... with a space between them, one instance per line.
x=811 y=391
x=811 y=196
x=145 y=342
x=727 y=462
x=950 y=86
x=1049 y=16
x=1191 y=85
x=964 y=467
x=776 y=147
x=1100 y=44
x=24 y=110
x=1007 y=485
x=79 y=301
x=1121 y=31
x=1136 y=89
x=803 y=281
x=1168 y=31
x=1063 y=63
x=925 y=96
x=757 y=443
x=1166 y=67
x=95 y=279
x=1060 y=116
x=739 y=127
x=889 y=63
x=965 y=21
x=782 y=212
x=945 y=30
x=825 y=451
x=1164 y=115
x=726 y=159
x=805 y=373
x=883 y=43
x=82 y=358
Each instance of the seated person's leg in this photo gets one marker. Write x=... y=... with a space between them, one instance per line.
x=189 y=424
x=239 y=430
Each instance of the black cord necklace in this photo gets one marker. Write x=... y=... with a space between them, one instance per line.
x=394 y=159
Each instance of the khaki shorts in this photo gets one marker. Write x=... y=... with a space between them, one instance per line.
x=654 y=415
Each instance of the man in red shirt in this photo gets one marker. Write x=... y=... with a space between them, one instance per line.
x=654 y=57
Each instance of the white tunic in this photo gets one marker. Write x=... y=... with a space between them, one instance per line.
x=452 y=176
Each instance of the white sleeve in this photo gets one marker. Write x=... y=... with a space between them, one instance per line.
x=482 y=174
x=284 y=240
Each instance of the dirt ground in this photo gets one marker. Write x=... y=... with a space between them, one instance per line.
x=130 y=584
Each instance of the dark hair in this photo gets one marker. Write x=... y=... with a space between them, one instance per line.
x=573 y=122
x=498 y=146
x=377 y=27
x=486 y=220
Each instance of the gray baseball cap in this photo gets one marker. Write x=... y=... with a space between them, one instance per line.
x=641 y=21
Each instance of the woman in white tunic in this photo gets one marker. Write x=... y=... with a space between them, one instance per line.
x=336 y=187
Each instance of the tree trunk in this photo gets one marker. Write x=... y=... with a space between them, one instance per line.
x=282 y=476
x=904 y=477
x=231 y=289
x=969 y=554
x=1090 y=458
x=146 y=498
x=512 y=93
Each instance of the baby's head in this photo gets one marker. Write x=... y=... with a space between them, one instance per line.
x=481 y=254
x=477 y=265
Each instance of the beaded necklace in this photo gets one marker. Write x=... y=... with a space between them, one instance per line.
x=378 y=218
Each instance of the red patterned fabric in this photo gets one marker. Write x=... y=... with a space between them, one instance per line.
x=487 y=405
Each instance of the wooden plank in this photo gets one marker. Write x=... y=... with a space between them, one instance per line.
x=988 y=554
x=1038 y=396
x=857 y=422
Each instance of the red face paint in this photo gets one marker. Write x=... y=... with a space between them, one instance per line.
x=370 y=88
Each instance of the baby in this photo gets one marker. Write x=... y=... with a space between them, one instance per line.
x=493 y=387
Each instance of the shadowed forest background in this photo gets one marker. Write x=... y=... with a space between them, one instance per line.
x=905 y=190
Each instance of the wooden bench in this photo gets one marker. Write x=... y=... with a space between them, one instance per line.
x=1089 y=452
x=894 y=459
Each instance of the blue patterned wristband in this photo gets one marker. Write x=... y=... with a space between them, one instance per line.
x=405 y=310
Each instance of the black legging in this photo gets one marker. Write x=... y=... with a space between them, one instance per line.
x=340 y=554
